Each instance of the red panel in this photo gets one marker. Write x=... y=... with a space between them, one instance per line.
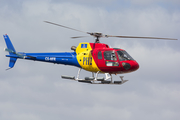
x=98 y=45
x=111 y=69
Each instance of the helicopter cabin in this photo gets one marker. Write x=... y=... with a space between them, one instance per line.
x=96 y=57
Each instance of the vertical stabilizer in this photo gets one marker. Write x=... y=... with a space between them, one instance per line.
x=11 y=50
x=8 y=43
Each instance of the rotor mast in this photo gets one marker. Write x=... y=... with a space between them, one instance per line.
x=97 y=40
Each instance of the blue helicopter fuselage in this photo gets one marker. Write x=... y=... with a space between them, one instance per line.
x=66 y=58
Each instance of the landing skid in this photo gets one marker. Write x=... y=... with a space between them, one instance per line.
x=96 y=80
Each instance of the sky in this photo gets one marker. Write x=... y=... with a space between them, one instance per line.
x=35 y=90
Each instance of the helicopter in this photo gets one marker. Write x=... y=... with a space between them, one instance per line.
x=96 y=57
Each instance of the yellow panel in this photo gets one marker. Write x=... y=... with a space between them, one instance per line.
x=84 y=57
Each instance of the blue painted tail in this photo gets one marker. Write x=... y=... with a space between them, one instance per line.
x=11 y=50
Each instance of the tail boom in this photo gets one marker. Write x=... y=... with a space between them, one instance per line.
x=66 y=58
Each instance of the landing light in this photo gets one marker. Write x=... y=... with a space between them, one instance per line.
x=126 y=65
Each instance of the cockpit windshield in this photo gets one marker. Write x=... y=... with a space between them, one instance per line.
x=123 y=55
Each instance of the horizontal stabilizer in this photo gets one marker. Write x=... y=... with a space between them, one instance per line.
x=9 y=50
x=13 y=52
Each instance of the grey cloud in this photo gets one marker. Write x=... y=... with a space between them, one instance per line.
x=34 y=90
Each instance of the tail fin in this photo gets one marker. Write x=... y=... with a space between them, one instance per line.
x=11 y=50
x=9 y=44
x=12 y=62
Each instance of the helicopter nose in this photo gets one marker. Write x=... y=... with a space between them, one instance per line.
x=135 y=66
x=130 y=66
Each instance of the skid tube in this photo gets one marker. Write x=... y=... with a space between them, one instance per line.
x=96 y=79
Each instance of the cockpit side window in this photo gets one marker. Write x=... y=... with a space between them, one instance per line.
x=99 y=55
x=109 y=55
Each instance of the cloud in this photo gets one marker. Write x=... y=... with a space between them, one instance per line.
x=150 y=2
x=34 y=90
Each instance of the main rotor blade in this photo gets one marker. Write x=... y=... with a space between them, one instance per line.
x=78 y=37
x=98 y=35
x=64 y=26
x=141 y=37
